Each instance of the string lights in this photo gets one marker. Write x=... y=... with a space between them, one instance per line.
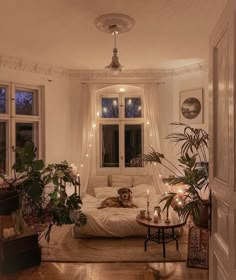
x=78 y=170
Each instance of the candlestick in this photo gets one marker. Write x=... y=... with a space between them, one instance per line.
x=77 y=183
x=167 y=221
x=148 y=212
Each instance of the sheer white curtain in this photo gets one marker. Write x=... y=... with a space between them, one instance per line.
x=87 y=162
x=153 y=125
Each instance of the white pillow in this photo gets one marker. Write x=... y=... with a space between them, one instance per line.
x=105 y=192
x=121 y=181
x=141 y=190
x=96 y=181
x=142 y=179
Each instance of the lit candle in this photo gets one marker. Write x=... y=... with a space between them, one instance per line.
x=11 y=231
x=147 y=195
x=78 y=178
x=74 y=168
x=5 y=233
x=155 y=217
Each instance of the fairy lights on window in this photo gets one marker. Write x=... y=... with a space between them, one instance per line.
x=77 y=170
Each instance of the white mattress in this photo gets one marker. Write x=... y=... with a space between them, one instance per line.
x=112 y=222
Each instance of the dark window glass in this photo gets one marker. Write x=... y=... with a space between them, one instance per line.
x=133 y=145
x=25 y=132
x=25 y=103
x=110 y=108
x=3 y=148
x=133 y=108
x=3 y=100
x=110 y=145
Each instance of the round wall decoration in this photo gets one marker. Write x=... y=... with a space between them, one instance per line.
x=191 y=106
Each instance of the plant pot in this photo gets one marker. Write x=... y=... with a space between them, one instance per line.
x=9 y=201
x=204 y=209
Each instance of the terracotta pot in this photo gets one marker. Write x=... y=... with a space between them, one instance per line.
x=203 y=221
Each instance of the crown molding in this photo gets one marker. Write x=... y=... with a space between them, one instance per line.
x=18 y=64
x=197 y=67
x=146 y=75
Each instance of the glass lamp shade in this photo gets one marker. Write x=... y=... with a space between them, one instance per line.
x=115 y=67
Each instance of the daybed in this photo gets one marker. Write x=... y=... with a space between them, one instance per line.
x=115 y=222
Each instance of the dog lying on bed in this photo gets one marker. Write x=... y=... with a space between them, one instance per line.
x=124 y=200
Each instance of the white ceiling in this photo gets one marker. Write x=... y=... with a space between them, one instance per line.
x=168 y=33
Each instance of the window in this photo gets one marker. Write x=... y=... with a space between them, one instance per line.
x=133 y=143
x=20 y=120
x=121 y=129
x=110 y=107
x=110 y=145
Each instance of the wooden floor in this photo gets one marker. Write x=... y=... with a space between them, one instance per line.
x=108 y=271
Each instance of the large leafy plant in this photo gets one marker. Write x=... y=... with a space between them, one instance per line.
x=31 y=178
x=192 y=171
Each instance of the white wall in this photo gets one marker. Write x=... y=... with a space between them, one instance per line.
x=178 y=84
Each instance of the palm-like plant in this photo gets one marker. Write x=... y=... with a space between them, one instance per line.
x=192 y=171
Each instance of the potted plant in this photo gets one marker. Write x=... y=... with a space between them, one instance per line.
x=192 y=172
x=29 y=179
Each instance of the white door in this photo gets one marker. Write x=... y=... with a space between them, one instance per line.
x=222 y=87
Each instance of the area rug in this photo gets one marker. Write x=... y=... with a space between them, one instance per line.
x=64 y=248
x=198 y=248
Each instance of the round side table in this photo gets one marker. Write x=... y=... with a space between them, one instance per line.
x=160 y=236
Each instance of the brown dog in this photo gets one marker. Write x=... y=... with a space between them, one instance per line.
x=124 y=200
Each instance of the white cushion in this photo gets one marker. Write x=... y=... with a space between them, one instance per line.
x=146 y=179
x=104 y=192
x=141 y=190
x=96 y=181
x=121 y=181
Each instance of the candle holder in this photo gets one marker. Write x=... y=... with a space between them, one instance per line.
x=148 y=212
x=77 y=185
x=167 y=221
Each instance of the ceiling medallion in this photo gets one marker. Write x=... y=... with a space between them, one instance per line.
x=124 y=23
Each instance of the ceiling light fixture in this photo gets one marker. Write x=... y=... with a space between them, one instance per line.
x=115 y=67
x=114 y=24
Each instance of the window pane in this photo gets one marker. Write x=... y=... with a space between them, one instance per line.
x=3 y=148
x=133 y=108
x=25 y=102
x=26 y=132
x=3 y=100
x=110 y=145
x=133 y=145
x=110 y=108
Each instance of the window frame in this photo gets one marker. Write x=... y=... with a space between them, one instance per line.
x=12 y=118
x=121 y=122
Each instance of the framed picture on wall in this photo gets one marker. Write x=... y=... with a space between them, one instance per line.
x=191 y=106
